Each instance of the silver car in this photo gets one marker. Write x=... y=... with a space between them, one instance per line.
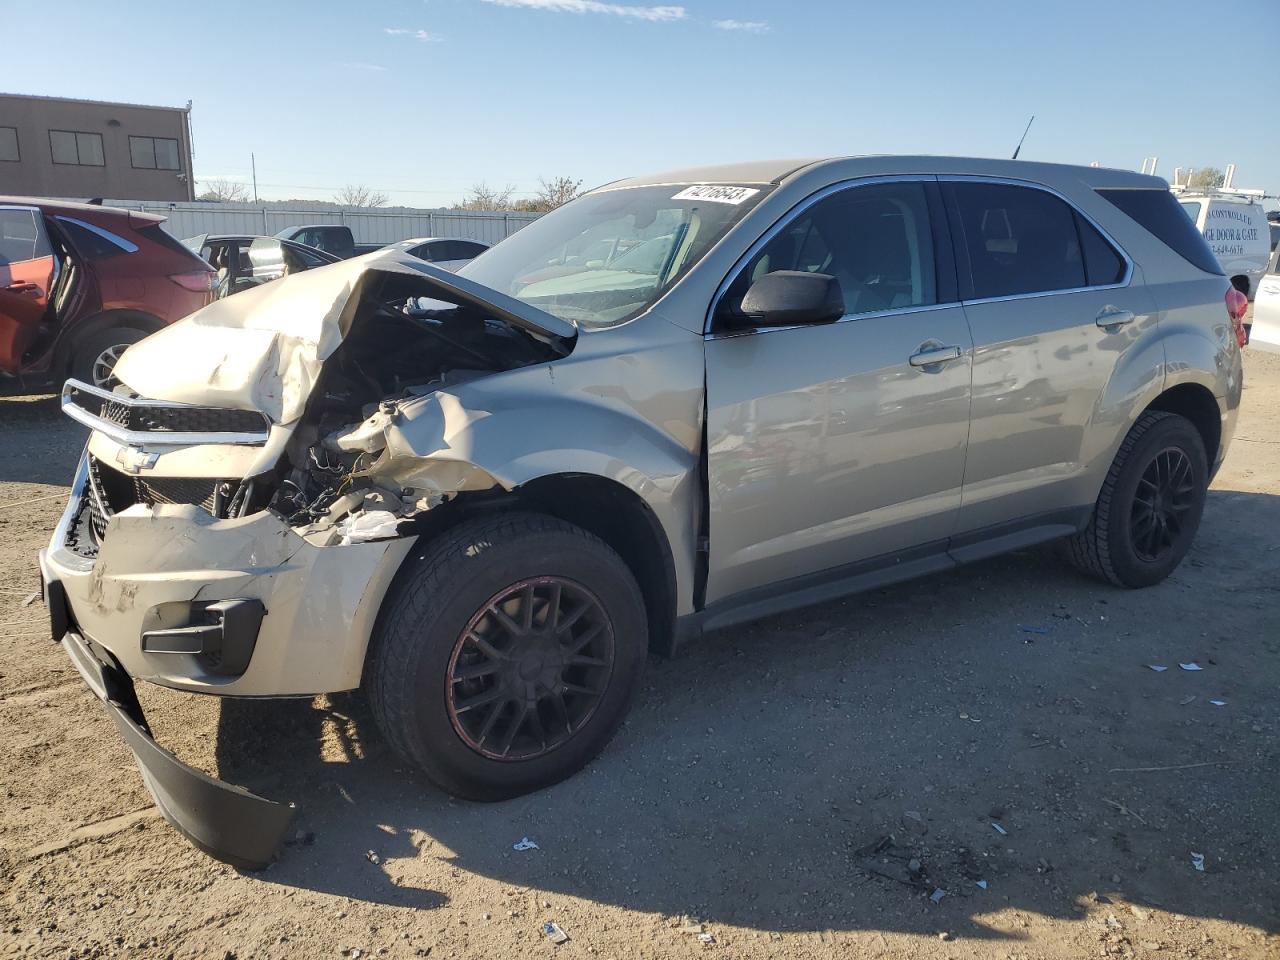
x=448 y=254
x=678 y=403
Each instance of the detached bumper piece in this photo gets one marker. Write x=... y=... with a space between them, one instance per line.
x=225 y=821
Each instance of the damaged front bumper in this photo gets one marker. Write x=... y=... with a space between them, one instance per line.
x=225 y=821
x=241 y=607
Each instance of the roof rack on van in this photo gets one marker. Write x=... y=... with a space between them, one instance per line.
x=1182 y=185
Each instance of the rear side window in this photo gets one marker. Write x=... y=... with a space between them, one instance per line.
x=1019 y=240
x=1159 y=213
x=93 y=242
x=156 y=234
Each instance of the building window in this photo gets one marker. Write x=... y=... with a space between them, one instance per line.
x=80 y=149
x=9 y=144
x=154 y=153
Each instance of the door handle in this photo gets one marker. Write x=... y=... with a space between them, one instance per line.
x=1114 y=317
x=25 y=288
x=931 y=356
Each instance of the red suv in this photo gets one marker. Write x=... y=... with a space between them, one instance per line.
x=79 y=283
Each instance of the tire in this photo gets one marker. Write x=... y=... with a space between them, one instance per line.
x=1119 y=545
x=96 y=347
x=423 y=638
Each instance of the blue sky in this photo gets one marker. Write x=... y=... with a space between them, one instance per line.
x=422 y=99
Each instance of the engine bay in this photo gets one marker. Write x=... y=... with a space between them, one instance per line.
x=403 y=345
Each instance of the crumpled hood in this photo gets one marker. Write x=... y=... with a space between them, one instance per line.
x=263 y=349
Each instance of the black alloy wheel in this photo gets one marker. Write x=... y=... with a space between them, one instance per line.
x=1165 y=497
x=529 y=668
x=506 y=654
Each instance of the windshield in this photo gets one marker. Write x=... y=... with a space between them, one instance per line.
x=606 y=257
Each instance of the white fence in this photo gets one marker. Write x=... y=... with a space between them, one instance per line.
x=367 y=226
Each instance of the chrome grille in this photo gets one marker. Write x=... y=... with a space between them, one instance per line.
x=153 y=423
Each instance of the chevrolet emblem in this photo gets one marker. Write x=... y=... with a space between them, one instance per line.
x=134 y=459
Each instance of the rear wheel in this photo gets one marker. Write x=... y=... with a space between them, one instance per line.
x=1150 y=505
x=94 y=360
x=507 y=655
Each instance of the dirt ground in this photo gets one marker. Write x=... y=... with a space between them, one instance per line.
x=775 y=781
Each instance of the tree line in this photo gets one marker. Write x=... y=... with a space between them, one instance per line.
x=551 y=193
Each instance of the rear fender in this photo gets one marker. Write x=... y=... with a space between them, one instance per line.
x=68 y=336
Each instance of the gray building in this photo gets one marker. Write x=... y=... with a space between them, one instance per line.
x=54 y=147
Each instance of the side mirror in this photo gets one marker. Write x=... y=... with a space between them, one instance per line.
x=791 y=298
x=266 y=257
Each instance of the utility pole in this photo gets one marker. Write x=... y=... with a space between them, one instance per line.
x=253 y=165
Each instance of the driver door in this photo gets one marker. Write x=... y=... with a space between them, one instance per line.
x=26 y=276
x=833 y=444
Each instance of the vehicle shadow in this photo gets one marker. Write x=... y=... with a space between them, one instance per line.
x=49 y=442
x=762 y=769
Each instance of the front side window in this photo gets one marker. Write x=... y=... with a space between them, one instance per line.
x=1019 y=240
x=608 y=256
x=437 y=251
x=153 y=153
x=75 y=148
x=875 y=240
x=1192 y=208
x=9 y=145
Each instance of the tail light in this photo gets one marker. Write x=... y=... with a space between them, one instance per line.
x=198 y=281
x=1237 y=306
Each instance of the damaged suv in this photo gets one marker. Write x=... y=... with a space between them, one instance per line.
x=675 y=404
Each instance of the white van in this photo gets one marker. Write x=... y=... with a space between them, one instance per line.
x=1265 y=331
x=1235 y=227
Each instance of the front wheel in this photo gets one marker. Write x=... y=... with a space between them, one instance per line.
x=1150 y=506
x=507 y=655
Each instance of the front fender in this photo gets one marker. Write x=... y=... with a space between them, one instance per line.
x=641 y=429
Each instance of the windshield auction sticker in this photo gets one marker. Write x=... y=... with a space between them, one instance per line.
x=716 y=193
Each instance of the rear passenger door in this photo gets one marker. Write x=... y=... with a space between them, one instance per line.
x=1052 y=310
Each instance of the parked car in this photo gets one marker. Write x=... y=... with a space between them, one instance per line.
x=1235 y=227
x=484 y=498
x=329 y=237
x=243 y=262
x=449 y=254
x=1273 y=223
x=1265 y=331
x=79 y=283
